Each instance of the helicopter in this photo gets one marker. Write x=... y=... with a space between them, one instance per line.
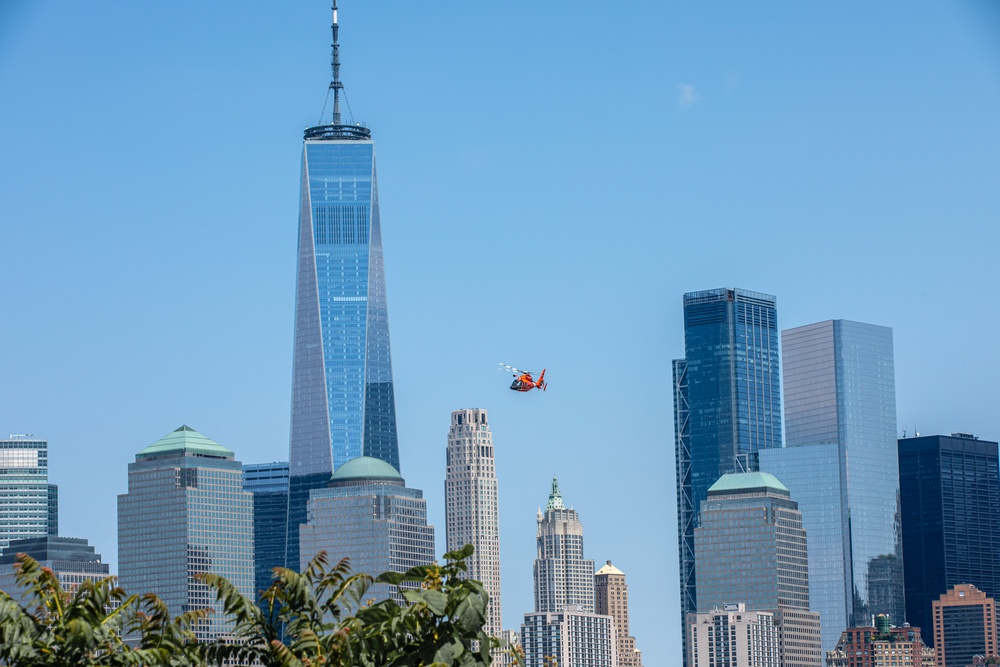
x=523 y=380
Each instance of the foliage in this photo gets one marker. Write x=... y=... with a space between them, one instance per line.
x=317 y=618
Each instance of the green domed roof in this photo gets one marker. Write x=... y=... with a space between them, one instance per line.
x=186 y=439
x=747 y=481
x=365 y=467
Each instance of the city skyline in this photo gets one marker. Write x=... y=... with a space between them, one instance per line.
x=822 y=139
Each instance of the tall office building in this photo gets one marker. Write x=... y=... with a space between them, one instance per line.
x=53 y=509
x=751 y=548
x=731 y=636
x=562 y=575
x=611 y=599
x=965 y=625
x=727 y=403
x=951 y=519
x=471 y=509
x=72 y=560
x=24 y=488
x=569 y=638
x=840 y=417
x=367 y=514
x=268 y=482
x=342 y=392
x=186 y=513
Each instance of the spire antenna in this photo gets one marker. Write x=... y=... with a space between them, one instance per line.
x=336 y=86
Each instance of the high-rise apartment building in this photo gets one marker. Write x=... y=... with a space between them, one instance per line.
x=471 y=509
x=186 y=513
x=751 y=549
x=268 y=482
x=965 y=625
x=951 y=519
x=72 y=560
x=727 y=403
x=562 y=575
x=367 y=513
x=24 y=488
x=611 y=599
x=342 y=392
x=569 y=638
x=733 y=637
x=878 y=645
x=840 y=418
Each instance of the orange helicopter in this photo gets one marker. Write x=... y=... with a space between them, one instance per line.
x=523 y=380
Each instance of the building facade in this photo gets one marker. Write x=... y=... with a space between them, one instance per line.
x=268 y=482
x=965 y=625
x=733 y=637
x=343 y=405
x=471 y=504
x=611 y=599
x=24 y=488
x=878 y=646
x=840 y=417
x=186 y=513
x=751 y=549
x=727 y=403
x=562 y=575
x=72 y=560
x=569 y=638
x=950 y=519
x=368 y=514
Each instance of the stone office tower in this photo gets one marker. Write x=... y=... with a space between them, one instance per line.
x=471 y=509
x=343 y=405
x=562 y=575
x=611 y=599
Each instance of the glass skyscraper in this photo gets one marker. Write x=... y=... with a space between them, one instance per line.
x=342 y=393
x=268 y=482
x=186 y=513
x=839 y=462
x=25 y=494
x=951 y=519
x=727 y=403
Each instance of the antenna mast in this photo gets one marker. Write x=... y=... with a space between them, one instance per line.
x=336 y=86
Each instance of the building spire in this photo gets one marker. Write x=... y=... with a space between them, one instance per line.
x=335 y=85
x=555 y=498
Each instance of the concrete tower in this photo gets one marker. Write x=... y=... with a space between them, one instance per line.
x=562 y=576
x=611 y=599
x=471 y=510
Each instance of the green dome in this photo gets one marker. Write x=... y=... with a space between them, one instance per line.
x=365 y=467
x=186 y=440
x=747 y=481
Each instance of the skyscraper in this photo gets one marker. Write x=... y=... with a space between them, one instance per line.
x=727 y=403
x=965 y=625
x=72 y=560
x=751 y=548
x=367 y=514
x=268 y=482
x=840 y=418
x=562 y=575
x=342 y=393
x=951 y=519
x=53 y=509
x=569 y=638
x=611 y=599
x=731 y=636
x=471 y=509
x=24 y=480
x=186 y=513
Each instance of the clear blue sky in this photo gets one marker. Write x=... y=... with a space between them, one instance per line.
x=553 y=176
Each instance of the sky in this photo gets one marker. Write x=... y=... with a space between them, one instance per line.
x=552 y=178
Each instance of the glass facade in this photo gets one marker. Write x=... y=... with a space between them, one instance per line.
x=71 y=559
x=571 y=637
x=53 y=509
x=562 y=575
x=24 y=488
x=840 y=417
x=186 y=513
x=268 y=482
x=950 y=517
x=727 y=403
x=343 y=405
x=372 y=519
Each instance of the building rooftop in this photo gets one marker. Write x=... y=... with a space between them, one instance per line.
x=186 y=440
x=609 y=569
x=747 y=481
x=366 y=467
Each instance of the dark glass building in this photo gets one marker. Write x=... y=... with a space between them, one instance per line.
x=268 y=482
x=727 y=403
x=72 y=560
x=950 y=487
x=53 y=509
x=840 y=418
x=342 y=392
